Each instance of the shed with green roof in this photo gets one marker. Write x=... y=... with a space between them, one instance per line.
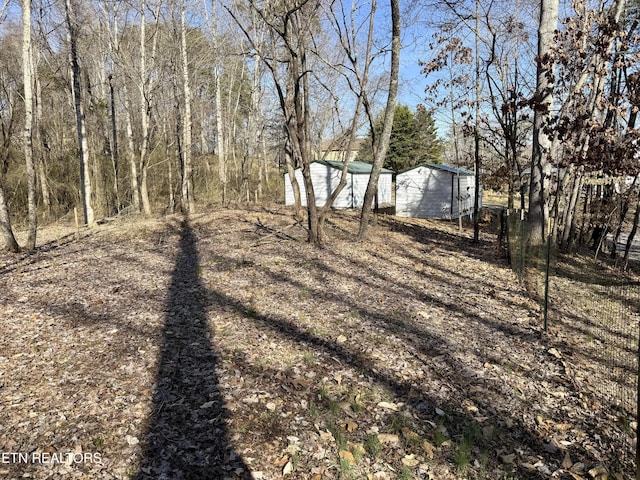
x=325 y=176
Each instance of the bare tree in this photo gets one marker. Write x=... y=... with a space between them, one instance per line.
x=543 y=105
x=382 y=144
x=7 y=123
x=220 y=149
x=290 y=27
x=85 y=177
x=27 y=75
x=356 y=72
x=188 y=205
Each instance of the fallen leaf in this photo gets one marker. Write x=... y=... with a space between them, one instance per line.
x=288 y=468
x=350 y=426
x=429 y=449
x=281 y=462
x=566 y=462
x=326 y=436
x=554 y=352
x=388 y=438
x=347 y=456
x=410 y=460
x=389 y=406
x=598 y=471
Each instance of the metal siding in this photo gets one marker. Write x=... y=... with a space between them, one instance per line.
x=384 y=188
x=360 y=183
x=288 y=189
x=425 y=192
x=325 y=179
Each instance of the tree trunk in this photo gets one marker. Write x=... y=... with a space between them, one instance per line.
x=167 y=155
x=570 y=214
x=188 y=204
x=363 y=80
x=5 y=223
x=632 y=235
x=85 y=177
x=115 y=160
x=131 y=152
x=290 y=153
x=220 y=150
x=144 y=115
x=476 y=136
x=220 y=138
x=562 y=201
x=27 y=76
x=541 y=152
x=297 y=200
x=43 y=159
x=302 y=127
x=383 y=141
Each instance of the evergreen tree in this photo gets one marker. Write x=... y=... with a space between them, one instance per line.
x=430 y=147
x=413 y=140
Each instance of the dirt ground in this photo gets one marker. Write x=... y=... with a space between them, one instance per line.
x=224 y=346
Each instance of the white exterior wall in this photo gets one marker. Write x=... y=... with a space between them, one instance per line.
x=425 y=192
x=360 y=182
x=468 y=188
x=385 y=186
x=325 y=179
x=288 y=188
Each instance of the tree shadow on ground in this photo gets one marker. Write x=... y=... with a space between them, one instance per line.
x=440 y=239
x=415 y=397
x=187 y=436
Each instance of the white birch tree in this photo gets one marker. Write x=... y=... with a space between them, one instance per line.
x=76 y=86
x=188 y=205
x=27 y=76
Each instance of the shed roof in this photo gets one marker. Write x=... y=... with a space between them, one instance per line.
x=353 y=167
x=450 y=169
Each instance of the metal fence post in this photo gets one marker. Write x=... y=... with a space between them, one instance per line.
x=521 y=266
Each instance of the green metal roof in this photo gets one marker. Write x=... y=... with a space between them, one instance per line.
x=353 y=167
x=440 y=166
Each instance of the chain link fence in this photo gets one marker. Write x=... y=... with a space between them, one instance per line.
x=595 y=308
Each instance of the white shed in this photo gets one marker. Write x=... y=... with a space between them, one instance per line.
x=431 y=191
x=325 y=176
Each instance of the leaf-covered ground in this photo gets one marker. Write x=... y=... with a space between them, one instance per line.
x=226 y=347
